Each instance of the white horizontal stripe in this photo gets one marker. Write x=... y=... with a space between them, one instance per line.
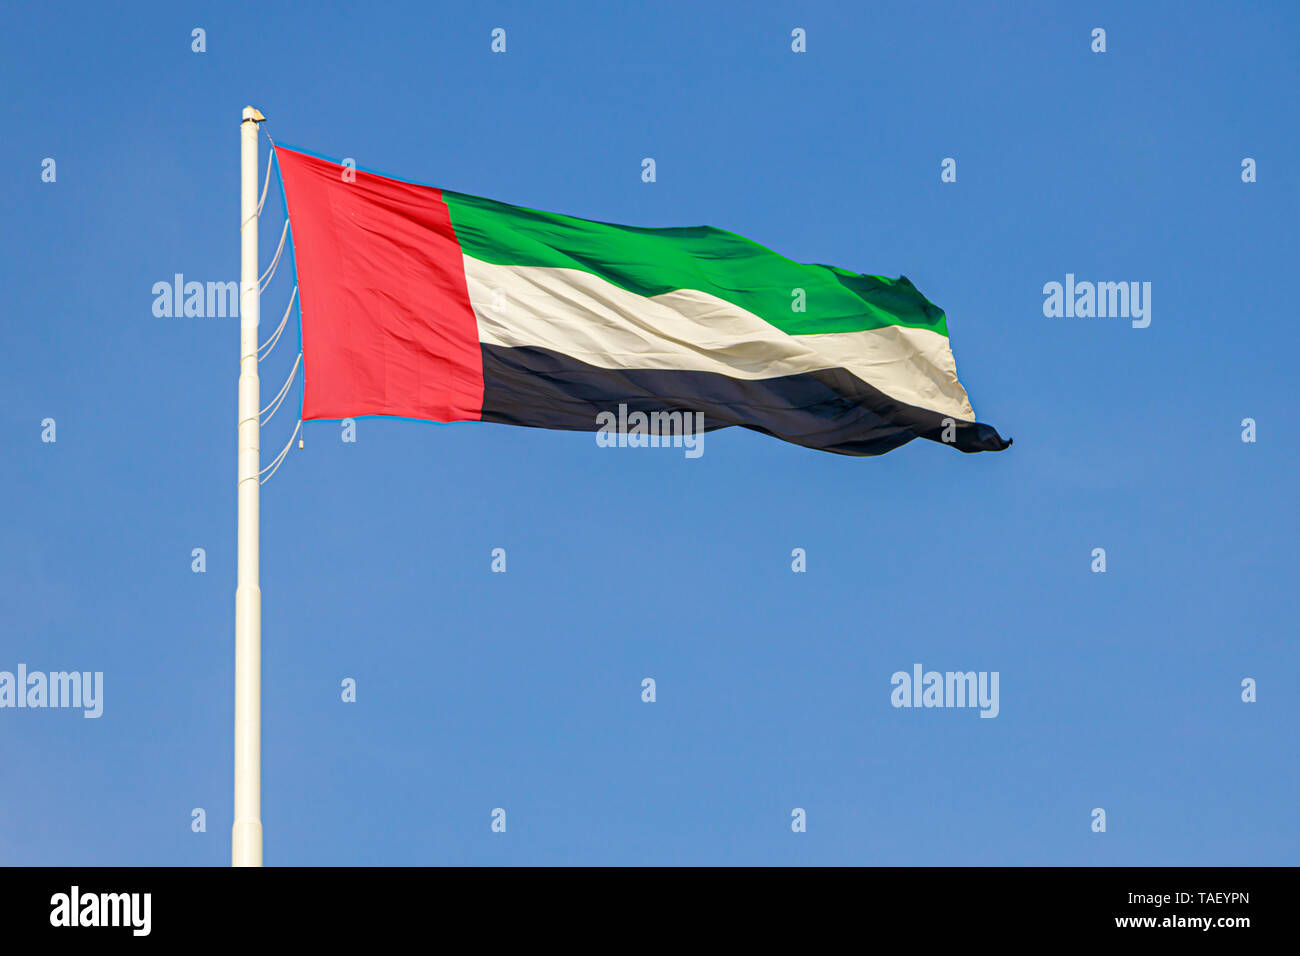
x=594 y=321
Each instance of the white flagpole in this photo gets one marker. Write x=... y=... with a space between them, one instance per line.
x=246 y=834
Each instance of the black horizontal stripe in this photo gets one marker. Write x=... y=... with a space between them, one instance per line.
x=831 y=410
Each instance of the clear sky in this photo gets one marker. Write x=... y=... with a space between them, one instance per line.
x=1118 y=690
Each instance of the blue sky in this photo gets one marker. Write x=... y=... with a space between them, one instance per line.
x=522 y=690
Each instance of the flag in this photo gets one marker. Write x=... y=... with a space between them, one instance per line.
x=431 y=304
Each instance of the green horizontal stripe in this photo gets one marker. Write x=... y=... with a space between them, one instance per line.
x=654 y=261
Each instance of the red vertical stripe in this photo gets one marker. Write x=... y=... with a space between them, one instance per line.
x=387 y=327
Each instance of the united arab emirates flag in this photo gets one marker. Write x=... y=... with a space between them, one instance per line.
x=430 y=304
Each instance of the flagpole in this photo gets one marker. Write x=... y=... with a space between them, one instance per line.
x=246 y=834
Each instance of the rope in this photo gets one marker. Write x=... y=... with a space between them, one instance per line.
x=267 y=182
x=270 y=160
x=266 y=277
x=284 y=390
x=280 y=457
x=269 y=344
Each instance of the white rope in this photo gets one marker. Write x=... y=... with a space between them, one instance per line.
x=267 y=182
x=265 y=280
x=280 y=457
x=284 y=390
x=271 y=469
x=269 y=344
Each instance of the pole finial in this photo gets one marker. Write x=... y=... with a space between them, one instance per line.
x=252 y=113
